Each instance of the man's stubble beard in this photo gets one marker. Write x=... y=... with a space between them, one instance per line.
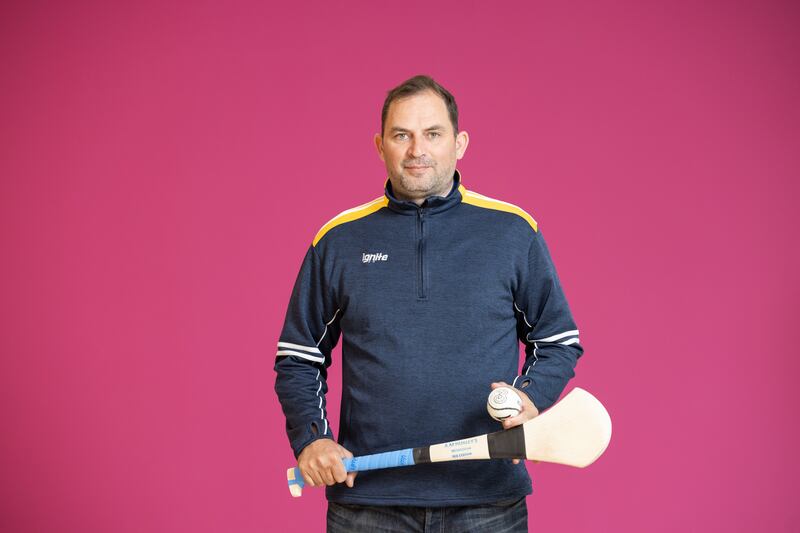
x=438 y=183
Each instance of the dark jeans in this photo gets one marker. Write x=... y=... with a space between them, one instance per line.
x=507 y=516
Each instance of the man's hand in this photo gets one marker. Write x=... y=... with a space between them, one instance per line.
x=321 y=464
x=527 y=412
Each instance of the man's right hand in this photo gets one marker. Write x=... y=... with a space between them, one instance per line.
x=321 y=464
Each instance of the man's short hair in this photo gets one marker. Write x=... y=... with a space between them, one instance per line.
x=416 y=85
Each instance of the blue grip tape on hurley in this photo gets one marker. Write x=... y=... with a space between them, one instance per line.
x=380 y=460
x=298 y=478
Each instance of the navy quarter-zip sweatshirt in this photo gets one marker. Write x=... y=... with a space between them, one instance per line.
x=431 y=303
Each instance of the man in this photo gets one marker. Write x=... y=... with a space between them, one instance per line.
x=433 y=287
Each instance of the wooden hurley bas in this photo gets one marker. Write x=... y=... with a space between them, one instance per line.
x=574 y=432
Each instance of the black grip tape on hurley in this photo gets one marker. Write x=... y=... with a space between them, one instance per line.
x=508 y=444
x=422 y=455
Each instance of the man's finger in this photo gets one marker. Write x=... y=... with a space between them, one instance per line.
x=497 y=384
x=310 y=477
x=339 y=472
x=521 y=418
x=327 y=475
x=347 y=477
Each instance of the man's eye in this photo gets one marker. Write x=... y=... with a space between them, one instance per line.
x=401 y=136
x=434 y=134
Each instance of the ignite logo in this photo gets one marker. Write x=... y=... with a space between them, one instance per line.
x=373 y=258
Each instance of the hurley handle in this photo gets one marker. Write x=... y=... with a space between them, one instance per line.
x=356 y=464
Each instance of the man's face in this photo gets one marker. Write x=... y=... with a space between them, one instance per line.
x=419 y=147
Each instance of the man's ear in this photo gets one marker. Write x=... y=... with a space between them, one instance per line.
x=462 y=140
x=379 y=145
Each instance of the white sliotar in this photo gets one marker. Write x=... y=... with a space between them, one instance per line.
x=503 y=402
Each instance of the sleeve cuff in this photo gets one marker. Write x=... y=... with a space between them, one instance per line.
x=525 y=384
x=302 y=436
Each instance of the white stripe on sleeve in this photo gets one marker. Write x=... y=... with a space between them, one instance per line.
x=312 y=349
x=301 y=355
x=571 y=333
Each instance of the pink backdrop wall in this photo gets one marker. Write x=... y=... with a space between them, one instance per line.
x=165 y=165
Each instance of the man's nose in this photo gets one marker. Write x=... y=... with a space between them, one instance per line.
x=417 y=148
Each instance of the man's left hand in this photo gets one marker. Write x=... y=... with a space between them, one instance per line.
x=527 y=412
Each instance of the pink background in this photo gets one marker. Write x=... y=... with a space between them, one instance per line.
x=165 y=165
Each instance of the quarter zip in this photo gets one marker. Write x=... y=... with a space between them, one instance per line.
x=422 y=292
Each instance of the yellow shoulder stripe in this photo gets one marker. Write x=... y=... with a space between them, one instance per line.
x=473 y=198
x=350 y=215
